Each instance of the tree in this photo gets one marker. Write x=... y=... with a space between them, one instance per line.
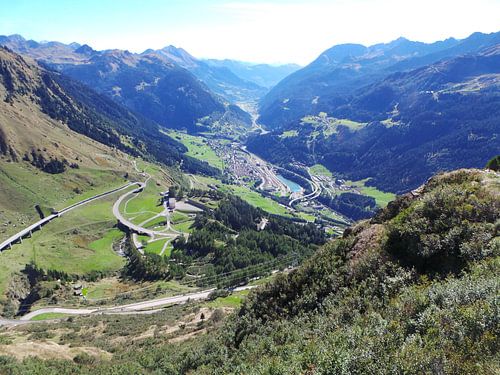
x=494 y=163
x=172 y=192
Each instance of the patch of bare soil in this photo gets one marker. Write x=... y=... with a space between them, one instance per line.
x=368 y=241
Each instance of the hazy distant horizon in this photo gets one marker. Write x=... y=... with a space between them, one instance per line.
x=262 y=31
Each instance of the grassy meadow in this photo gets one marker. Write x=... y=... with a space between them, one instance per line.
x=198 y=148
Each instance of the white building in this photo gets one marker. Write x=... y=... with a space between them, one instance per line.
x=171 y=203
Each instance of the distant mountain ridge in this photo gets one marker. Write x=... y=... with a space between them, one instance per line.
x=337 y=73
x=167 y=85
x=32 y=92
x=265 y=75
x=403 y=128
x=220 y=80
x=153 y=83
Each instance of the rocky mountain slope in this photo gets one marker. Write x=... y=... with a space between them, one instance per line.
x=79 y=109
x=153 y=84
x=411 y=291
x=60 y=139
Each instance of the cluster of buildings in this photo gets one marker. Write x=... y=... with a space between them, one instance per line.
x=236 y=161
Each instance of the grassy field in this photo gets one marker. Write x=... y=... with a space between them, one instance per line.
x=306 y=216
x=22 y=187
x=257 y=200
x=177 y=216
x=329 y=125
x=333 y=215
x=382 y=198
x=168 y=250
x=184 y=227
x=202 y=182
x=146 y=201
x=164 y=176
x=289 y=134
x=80 y=241
x=107 y=181
x=334 y=123
x=263 y=280
x=104 y=247
x=155 y=247
x=77 y=243
x=353 y=125
x=234 y=300
x=103 y=288
x=320 y=170
x=48 y=316
x=198 y=148
x=143 y=238
x=142 y=217
x=80 y=246
x=245 y=193
x=138 y=208
x=155 y=222
x=109 y=288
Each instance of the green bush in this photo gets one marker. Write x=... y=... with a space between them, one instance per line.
x=494 y=163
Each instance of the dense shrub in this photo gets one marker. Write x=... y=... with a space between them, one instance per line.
x=451 y=225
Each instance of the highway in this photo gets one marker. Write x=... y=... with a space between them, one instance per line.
x=315 y=193
x=38 y=225
x=270 y=179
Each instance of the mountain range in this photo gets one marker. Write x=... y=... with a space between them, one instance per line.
x=384 y=114
x=335 y=76
x=264 y=75
x=411 y=290
x=168 y=85
x=391 y=114
x=35 y=100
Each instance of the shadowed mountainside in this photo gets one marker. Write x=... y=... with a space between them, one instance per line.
x=403 y=128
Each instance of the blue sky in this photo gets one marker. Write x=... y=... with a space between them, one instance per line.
x=273 y=31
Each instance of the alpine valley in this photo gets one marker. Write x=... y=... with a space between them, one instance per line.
x=166 y=214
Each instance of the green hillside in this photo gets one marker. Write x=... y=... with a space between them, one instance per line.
x=413 y=291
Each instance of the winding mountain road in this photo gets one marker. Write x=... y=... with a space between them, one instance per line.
x=317 y=188
x=144 y=307
x=138 y=228
x=38 y=225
